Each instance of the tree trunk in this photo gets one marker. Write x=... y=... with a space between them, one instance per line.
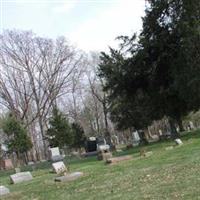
x=180 y=124
x=43 y=137
x=174 y=133
x=107 y=132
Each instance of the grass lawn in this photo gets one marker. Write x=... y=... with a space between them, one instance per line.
x=167 y=174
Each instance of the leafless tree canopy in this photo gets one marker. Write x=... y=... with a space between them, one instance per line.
x=34 y=73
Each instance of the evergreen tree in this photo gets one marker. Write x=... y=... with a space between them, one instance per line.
x=59 y=132
x=17 y=138
x=78 y=135
x=164 y=65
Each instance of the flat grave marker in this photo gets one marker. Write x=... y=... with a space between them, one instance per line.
x=4 y=190
x=118 y=159
x=69 y=177
x=20 y=177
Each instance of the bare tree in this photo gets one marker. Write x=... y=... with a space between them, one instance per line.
x=99 y=96
x=35 y=73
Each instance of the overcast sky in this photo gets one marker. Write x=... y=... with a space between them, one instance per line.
x=89 y=24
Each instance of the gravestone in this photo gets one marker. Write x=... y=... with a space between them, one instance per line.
x=21 y=177
x=118 y=159
x=178 y=141
x=59 y=167
x=6 y=164
x=17 y=170
x=55 y=154
x=136 y=138
x=69 y=177
x=4 y=190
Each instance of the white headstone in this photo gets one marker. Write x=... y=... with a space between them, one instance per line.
x=20 y=177
x=59 y=167
x=136 y=138
x=191 y=124
x=55 y=154
x=160 y=132
x=4 y=190
x=178 y=141
x=55 y=151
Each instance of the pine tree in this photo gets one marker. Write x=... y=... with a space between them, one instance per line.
x=59 y=132
x=17 y=138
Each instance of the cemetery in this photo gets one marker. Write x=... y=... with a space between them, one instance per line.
x=129 y=174
x=99 y=99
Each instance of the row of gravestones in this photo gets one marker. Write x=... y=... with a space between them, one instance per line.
x=60 y=169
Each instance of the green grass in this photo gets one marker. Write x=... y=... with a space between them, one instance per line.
x=172 y=174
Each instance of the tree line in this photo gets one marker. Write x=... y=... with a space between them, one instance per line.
x=156 y=74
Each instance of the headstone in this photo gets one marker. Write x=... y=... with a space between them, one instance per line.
x=17 y=170
x=160 y=132
x=6 y=164
x=115 y=140
x=59 y=167
x=178 y=141
x=91 y=144
x=69 y=177
x=21 y=177
x=136 y=138
x=104 y=156
x=118 y=159
x=4 y=190
x=155 y=138
x=55 y=154
x=191 y=125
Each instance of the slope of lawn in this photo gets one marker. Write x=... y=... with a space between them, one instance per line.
x=167 y=174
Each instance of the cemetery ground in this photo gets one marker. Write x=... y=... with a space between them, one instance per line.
x=166 y=174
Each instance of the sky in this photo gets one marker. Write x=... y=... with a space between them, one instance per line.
x=91 y=25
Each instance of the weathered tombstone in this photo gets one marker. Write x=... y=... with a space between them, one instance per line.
x=55 y=154
x=69 y=177
x=160 y=132
x=4 y=190
x=106 y=156
x=178 y=141
x=17 y=170
x=191 y=125
x=115 y=140
x=118 y=159
x=21 y=177
x=59 y=167
x=6 y=164
x=91 y=145
x=136 y=138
